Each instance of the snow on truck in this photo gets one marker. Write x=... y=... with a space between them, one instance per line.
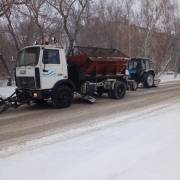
x=44 y=73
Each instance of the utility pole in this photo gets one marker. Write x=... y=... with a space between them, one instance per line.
x=176 y=64
x=129 y=30
x=129 y=38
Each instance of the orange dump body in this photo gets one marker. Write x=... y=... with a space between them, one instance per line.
x=98 y=61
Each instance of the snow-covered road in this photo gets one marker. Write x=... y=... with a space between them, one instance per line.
x=135 y=138
x=143 y=146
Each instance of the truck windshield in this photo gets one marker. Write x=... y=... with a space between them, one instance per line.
x=132 y=64
x=28 y=56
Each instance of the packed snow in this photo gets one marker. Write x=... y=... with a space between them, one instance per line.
x=2 y=83
x=6 y=91
x=169 y=77
x=141 y=145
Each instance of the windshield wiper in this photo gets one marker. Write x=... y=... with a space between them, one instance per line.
x=30 y=64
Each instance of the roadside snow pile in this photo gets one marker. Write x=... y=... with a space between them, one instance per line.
x=169 y=76
x=3 y=83
x=6 y=91
x=142 y=147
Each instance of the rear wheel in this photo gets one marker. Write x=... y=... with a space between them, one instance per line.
x=148 y=80
x=119 y=90
x=62 y=97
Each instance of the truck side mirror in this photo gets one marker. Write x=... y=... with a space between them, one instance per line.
x=45 y=57
x=45 y=60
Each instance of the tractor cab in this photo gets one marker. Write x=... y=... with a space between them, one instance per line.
x=142 y=71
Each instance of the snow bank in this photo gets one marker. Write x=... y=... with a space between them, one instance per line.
x=3 y=83
x=169 y=77
x=6 y=91
x=146 y=146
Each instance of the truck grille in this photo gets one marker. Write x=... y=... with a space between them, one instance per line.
x=25 y=82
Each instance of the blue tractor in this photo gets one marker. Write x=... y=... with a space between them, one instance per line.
x=141 y=71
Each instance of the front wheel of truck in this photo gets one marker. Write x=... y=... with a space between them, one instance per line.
x=62 y=97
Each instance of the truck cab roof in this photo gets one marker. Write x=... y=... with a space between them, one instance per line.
x=44 y=46
x=139 y=58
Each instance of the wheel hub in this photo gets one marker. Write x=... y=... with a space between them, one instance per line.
x=150 y=80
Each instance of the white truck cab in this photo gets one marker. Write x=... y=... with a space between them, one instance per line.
x=40 y=70
x=44 y=65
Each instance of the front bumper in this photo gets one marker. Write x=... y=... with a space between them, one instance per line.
x=27 y=94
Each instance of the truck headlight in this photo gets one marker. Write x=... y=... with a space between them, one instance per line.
x=127 y=72
x=35 y=95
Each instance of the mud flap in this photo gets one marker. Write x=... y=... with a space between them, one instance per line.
x=8 y=102
x=89 y=99
x=156 y=82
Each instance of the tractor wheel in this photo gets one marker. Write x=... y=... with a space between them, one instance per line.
x=62 y=97
x=119 y=90
x=148 y=80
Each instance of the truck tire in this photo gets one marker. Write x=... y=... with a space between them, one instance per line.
x=119 y=90
x=62 y=97
x=148 y=80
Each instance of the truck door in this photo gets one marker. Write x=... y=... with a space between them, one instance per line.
x=51 y=70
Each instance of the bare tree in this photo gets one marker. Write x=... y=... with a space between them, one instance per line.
x=6 y=5
x=151 y=11
x=5 y=65
x=147 y=29
x=36 y=13
x=7 y=12
x=71 y=12
x=175 y=46
x=128 y=6
x=12 y=30
x=170 y=28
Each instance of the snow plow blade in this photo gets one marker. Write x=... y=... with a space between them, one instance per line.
x=89 y=99
x=9 y=102
x=3 y=105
